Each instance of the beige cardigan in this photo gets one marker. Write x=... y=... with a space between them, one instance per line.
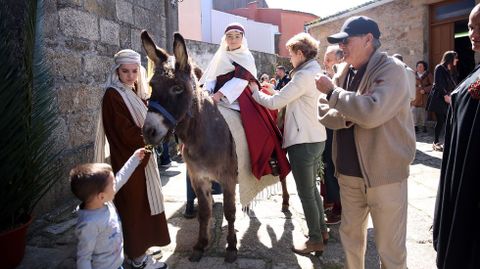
x=300 y=96
x=380 y=113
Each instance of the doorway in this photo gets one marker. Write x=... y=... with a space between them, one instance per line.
x=449 y=31
x=466 y=58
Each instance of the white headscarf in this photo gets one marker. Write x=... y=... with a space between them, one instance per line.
x=138 y=111
x=223 y=58
x=128 y=56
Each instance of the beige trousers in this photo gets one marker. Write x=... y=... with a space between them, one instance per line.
x=387 y=205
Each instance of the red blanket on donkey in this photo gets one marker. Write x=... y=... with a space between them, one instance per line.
x=263 y=136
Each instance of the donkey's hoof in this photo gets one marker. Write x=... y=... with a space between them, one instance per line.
x=230 y=256
x=285 y=208
x=196 y=256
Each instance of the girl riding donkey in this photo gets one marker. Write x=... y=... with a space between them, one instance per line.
x=227 y=78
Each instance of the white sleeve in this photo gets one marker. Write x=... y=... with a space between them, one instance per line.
x=209 y=85
x=233 y=88
x=127 y=170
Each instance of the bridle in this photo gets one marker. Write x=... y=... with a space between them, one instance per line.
x=156 y=106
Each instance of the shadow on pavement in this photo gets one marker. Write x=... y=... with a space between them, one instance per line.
x=428 y=160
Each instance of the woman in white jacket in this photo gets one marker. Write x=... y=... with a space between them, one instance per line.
x=304 y=136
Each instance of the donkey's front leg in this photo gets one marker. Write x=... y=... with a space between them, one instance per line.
x=202 y=188
x=229 y=212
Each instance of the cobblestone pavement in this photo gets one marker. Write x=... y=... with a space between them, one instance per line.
x=264 y=235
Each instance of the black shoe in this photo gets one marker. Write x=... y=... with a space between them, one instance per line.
x=190 y=211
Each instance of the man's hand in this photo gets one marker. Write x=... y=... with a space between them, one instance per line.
x=324 y=83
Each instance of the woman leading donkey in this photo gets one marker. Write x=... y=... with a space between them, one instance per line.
x=140 y=201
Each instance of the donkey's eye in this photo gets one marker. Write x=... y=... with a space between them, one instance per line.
x=176 y=89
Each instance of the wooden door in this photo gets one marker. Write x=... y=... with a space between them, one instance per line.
x=441 y=40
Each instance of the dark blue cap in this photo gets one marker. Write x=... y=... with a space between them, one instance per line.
x=354 y=26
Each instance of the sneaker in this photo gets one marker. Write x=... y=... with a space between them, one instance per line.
x=437 y=147
x=156 y=252
x=168 y=165
x=165 y=166
x=149 y=263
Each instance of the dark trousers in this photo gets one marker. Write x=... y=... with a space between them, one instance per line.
x=165 y=156
x=331 y=182
x=439 y=125
x=304 y=160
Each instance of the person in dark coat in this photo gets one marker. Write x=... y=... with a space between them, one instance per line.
x=456 y=223
x=424 y=80
x=283 y=77
x=439 y=97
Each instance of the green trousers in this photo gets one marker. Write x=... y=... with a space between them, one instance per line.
x=305 y=159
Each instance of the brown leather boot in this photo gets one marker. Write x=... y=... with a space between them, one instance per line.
x=308 y=247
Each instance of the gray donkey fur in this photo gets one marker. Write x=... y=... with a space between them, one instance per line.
x=208 y=146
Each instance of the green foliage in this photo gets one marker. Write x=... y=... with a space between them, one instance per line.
x=29 y=118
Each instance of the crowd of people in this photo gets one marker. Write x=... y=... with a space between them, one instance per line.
x=358 y=115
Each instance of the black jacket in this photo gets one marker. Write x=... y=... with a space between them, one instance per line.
x=282 y=82
x=443 y=84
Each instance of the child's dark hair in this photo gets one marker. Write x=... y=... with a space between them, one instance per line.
x=87 y=180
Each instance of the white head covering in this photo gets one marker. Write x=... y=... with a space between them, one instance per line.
x=138 y=111
x=223 y=59
x=128 y=56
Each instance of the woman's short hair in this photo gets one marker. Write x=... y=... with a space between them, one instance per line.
x=305 y=43
x=87 y=180
x=425 y=65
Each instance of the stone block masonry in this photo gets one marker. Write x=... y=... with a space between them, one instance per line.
x=201 y=53
x=81 y=38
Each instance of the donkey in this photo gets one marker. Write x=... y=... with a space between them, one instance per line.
x=209 y=149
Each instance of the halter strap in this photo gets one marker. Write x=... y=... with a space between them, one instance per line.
x=154 y=105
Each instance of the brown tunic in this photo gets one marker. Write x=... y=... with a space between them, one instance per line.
x=140 y=229
x=422 y=83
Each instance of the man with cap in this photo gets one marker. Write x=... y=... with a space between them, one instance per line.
x=368 y=106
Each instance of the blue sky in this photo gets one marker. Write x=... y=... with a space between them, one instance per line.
x=320 y=8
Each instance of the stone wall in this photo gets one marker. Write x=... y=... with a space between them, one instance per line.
x=403 y=24
x=81 y=37
x=201 y=53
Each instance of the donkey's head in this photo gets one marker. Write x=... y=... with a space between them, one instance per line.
x=172 y=88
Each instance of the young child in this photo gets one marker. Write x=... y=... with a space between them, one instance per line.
x=99 y=231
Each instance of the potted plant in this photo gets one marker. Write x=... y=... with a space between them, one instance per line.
x=27 y=124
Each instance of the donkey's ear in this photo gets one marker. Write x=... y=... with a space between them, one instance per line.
x=180 y=52
x=156 y=54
